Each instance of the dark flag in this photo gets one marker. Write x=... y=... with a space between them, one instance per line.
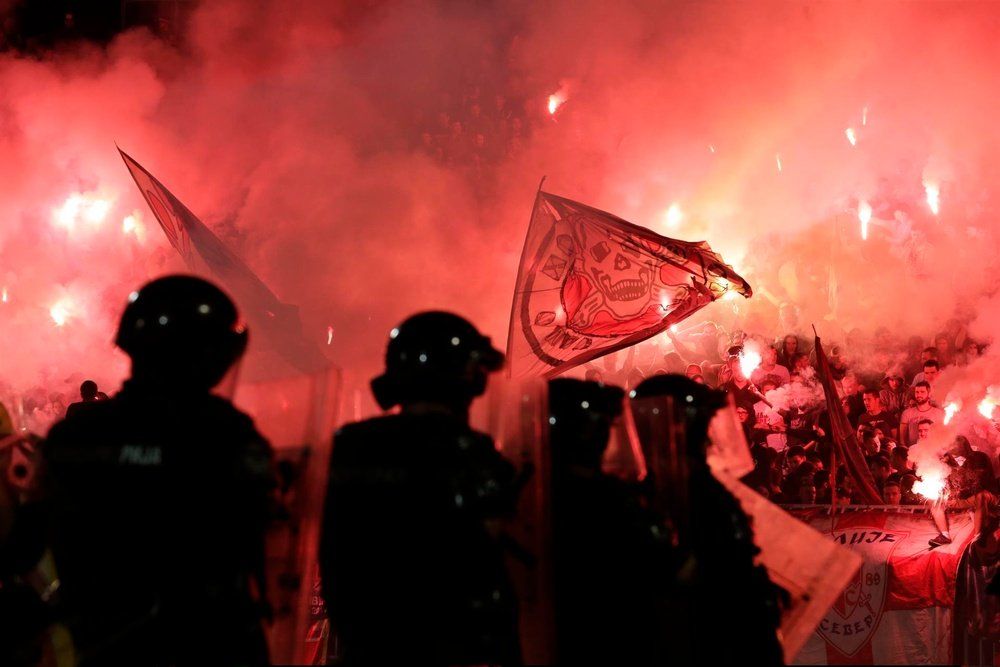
x=590 y=283
x=845 y=441
x=277 y=322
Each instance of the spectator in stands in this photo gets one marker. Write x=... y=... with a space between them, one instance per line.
x=970 y=352
x=881 y=469
x=876 y=416
x=923 y=409
x=924 y=429
x=929 y=374
x=892 y=393
x=892 y=493
x=789 y=348
x=801 y=365
x=739 y=386
x=906 y=482
x=769 y=366
x=851 y=392
x=946 y=354
x=898 y=458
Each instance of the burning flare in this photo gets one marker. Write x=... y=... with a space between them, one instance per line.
x=329 y=335
x=950 y=409
x=777 y=158
x=933 y=197
x=864 y=215
x=557 y=99
x=79 y=207
x=749 y=361
x=60 y=312
x=851 y=136
x=987 y=406
x=930 y=485
x=674 y=216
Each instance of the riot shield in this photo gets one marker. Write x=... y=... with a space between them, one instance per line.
x=297 y=415
x=728 y=452
x=624 y=458
x=661 y=436
x=521 y=418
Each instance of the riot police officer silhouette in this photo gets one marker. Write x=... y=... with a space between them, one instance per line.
x=611 y=554
x=412 y=569
x=159 y=497
x=718 y=591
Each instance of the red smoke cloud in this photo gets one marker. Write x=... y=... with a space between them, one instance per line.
x=293 y=130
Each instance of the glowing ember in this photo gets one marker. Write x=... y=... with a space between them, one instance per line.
x=60 y=312
x=749 y=361
x=674 y=216
x=3 y=295
x=711 y=148
x=851 y=136
x=864 y=215
x=930 y=486
x=864 y=116
x=777 y=158
x=933 y=197
x=329 y=335
x=987 y=406
x=950 y=409
x=556 y=100
x=673 y=328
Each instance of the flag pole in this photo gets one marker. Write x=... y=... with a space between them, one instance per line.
x=517 y=280
x=833 y=471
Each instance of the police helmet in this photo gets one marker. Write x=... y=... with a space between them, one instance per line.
x=182 y=324
x=435 y=355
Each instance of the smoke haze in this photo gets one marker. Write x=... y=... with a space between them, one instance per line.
x=294 y=130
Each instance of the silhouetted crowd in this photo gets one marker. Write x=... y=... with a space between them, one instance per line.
x=138 y=535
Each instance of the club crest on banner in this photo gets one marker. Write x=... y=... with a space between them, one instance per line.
x=852 y=620
x=591 y=283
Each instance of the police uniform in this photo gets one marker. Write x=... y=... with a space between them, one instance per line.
x=158 y=499
x=412 y=569
x=158 y=507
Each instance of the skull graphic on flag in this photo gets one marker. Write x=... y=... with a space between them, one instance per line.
x=591 y=283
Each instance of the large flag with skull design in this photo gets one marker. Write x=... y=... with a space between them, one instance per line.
x=590 y=283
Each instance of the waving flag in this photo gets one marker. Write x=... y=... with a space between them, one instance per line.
x=203 y=252
x=845 y=440
x=591 y=283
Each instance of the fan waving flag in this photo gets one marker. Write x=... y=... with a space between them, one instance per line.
x=590 y=283
x=203 y=252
